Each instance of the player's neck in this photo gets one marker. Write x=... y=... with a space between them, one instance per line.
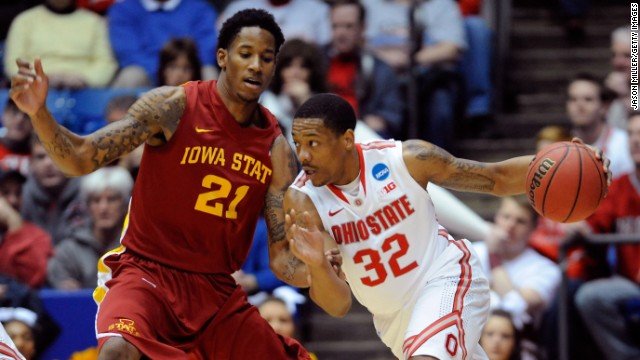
x=351 y=169
x=244 y=112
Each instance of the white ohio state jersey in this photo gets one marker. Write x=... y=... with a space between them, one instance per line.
x=387 y=233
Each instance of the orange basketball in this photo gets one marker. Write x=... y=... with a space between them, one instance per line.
x=566 y=182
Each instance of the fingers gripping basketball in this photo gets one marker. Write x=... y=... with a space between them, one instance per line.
x=566 y=182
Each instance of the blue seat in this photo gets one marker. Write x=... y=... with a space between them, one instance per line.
x=86 y=113
x=75 y=313
x=4 y=96
x=58 y=102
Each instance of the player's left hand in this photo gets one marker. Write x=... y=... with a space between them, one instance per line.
x=600 y=156
x=305 y=240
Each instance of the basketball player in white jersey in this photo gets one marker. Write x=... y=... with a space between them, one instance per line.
x=426 y=291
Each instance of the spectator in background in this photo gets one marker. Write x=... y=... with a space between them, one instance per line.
x=277 y=313
x=299 y=73
x=299 y=19
x=500 y=338
x=586 y=105
x=19 y=302
x=9 y=9
x=619 y=79
x=15 y=143
x=179 y=62
x=49 y=198
x=105 y=193
x=72 y=41
x=440 y=46
x=523 y=282
x=24 y=247
x=139 y=29
x=601 y=302
x=365 y=81
x=21 y=333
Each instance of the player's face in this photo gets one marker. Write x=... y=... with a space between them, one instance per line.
x=278 y=317
x=634 y=139
x=248 y=63
x=498 y=338
x=321 y=152
x=517 y=222
x=347 y=29
x=107 y=209
x=584 y=106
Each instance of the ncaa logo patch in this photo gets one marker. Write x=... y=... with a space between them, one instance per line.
x=380 y=171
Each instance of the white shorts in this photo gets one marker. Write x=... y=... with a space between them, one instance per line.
x=447 y=316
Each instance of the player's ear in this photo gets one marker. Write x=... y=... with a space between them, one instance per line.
x=349 y=139
x=221 y=57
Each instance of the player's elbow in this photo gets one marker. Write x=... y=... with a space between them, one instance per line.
x=341 y=311
x=337 y=306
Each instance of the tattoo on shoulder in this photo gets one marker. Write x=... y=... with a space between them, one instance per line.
x=157 y=111
x=163 y=106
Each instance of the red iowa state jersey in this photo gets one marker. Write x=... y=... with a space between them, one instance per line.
x=198 y=197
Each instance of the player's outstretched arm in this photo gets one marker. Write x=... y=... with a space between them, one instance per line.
x=308 y=242
x=153 y=117
x=429 y=163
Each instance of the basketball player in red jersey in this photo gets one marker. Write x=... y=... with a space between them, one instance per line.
x=212 y=158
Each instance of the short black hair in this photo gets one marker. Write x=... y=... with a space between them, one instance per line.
x=336 y=113
x=249 y=18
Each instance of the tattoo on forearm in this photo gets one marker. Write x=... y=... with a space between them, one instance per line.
x=468 y=176
x=274 y=215
x=292 y=165
x=60 y=146
x=292 y=265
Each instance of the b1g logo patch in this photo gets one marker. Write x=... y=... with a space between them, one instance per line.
x=380 y=171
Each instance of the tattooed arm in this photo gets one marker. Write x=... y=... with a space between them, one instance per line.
x=429 y=163
x=283 y=263
x=153 y=118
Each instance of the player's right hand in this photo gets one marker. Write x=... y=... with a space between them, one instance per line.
x=29 y=86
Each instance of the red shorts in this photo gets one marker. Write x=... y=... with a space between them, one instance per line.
x=172 y=314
